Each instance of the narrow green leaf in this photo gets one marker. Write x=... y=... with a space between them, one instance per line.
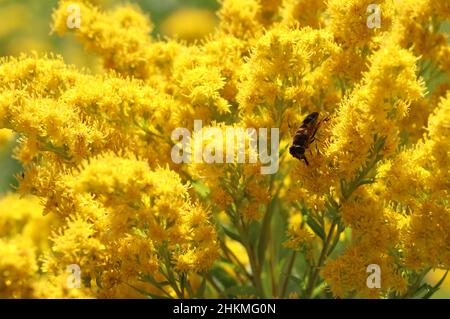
x=223 y=277
x=230 y=233
x=152 y=281
x=201 y=290
x=254 y=231
x=264 y=234
x=315 y=227
x=436 y=287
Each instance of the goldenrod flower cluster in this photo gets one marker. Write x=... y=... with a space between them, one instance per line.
x=100 y=190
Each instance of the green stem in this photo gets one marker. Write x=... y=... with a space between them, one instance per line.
x=256 y=272
x=215 y=286
x=231 y=256
x=288 y=274
x=323 y=254
x=416 y=285
x=272 y=271
x=336 y=240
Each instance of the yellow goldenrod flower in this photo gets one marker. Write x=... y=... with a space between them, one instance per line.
x=113 y=205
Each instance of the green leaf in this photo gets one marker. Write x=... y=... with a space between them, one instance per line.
x=254 y=230
x=315 y=227
x=201 y=189
x=152 y=281
x=9 y=167
x=297 y=280
x=230 y=233
x=318 y=290
x=365 y=181
x=432 y=290
x=201 y=290
x=223 y=277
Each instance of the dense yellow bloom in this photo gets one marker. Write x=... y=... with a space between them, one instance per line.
x=303 y=12
x=24 y=235
x=283 y=72
x=24 y=216
x=222 y=176
x=424 y=169
x=242 y=19
x=300 y=236
x=372 y=109
x=102 y=191
x=120 y=36
x=347 y=20
x=123 y=212
x=347 y=274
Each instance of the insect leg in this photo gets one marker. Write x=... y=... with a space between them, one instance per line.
x=306 y=161
x=313 y=135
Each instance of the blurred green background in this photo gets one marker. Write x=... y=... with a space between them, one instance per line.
x=25 y=27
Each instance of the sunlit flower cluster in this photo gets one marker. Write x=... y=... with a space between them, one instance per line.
x=99 y=188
